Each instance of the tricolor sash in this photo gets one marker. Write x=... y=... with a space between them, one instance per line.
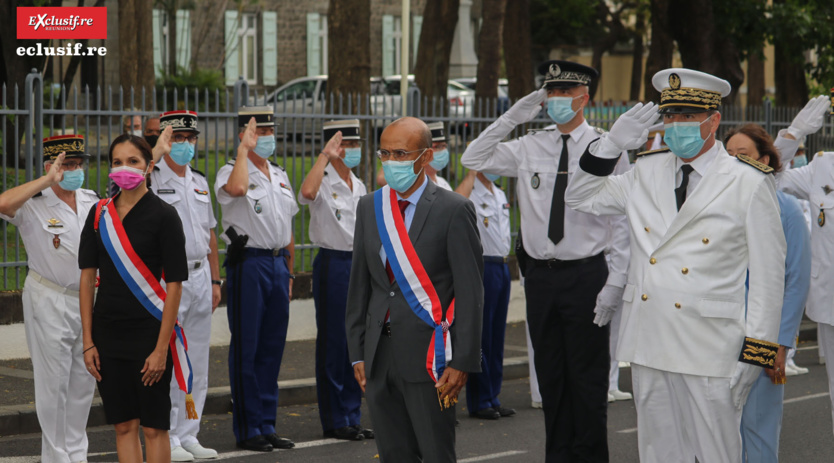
x=414 y=282
x=143 y=285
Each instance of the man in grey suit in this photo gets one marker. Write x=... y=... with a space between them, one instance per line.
x=388 y=338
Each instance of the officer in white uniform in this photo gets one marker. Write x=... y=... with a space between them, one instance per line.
x=571 y=293
x=441 y=158
x=177 y=183
x=493 y=217
x=258 y=206
x=701 y=222
x=49 y=213
x=332 y=191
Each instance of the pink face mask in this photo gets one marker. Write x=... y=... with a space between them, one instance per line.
x=127 y=178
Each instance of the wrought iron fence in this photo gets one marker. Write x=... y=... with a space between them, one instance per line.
x=99 y=113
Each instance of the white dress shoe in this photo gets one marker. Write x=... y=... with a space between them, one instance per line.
x=611 y=398
x=180 y=454
x=619 y=395
x=200 y=452
x=535 y=404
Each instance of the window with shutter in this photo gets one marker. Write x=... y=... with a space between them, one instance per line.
x=231 y=39
x=270 y=47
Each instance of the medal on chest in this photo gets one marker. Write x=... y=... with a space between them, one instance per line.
x=821 y=218
x=338 y=214
x=258 y=207
x=56 y=241
x=827 y=189
x=535 y=181
x=486 y=221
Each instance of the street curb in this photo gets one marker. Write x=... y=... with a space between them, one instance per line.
x=23 y=419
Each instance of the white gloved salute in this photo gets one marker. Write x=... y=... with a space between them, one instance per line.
x=810 y=118
x=527 y=108
x=608 y=302
x=630 y=131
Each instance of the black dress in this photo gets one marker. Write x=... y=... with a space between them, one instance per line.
x=124 y=332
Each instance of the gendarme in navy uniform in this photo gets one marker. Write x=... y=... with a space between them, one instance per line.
x=258 y=206
x=571 y=294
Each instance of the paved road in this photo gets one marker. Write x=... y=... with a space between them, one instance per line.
x=806 y=435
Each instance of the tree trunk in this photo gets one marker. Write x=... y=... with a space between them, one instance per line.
x=431 y=72
x=660 y=47
x=489 y=48
x=637 y=57
x=755 y=80
x=349 y=52
x=518 y=59
x=145 y=77
x=171 y=13
x=702 y=46
x=603 y=44
x=791 y=86
x=128 y=64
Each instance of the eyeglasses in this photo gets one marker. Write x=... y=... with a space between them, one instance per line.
x=399 y=155
x=181 y=138
x=70 y=165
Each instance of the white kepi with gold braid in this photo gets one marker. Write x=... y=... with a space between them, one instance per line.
x=685 y=91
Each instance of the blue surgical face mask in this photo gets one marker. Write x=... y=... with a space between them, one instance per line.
x=400 y=174
x=73 y=179
x=492 y=177
x=560 y=109
x=265 y=146
x=182 y=153
x=684 y=138
x=352 y=157
x=441 y=158
x=800 y=161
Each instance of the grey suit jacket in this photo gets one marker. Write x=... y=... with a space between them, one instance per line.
x=445 y=237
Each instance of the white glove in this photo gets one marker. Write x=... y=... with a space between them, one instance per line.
x=810 y=118
x=631 y=130
x=527 y=108
x=742 y=381
x=608 y=302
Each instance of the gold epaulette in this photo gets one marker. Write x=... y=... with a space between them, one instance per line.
x=759 y=353
x=756 y=164
x=650 y=152
x=819 y=153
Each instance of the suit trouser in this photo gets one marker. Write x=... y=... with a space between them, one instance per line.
x=258 y=312
x=682 y=417
x=408 y=422
x=482 y=389
x=761 y=421
x=339 y=395
x=195 y=317
x=572 y=360
x=63 y=387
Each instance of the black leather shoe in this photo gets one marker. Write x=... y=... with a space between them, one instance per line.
x=486 y=414
x=368 y=433
x=506 y=411
x=345 y=433
x=280 y=442
x=256 y=444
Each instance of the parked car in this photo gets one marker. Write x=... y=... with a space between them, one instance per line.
x=459 y=98
x=503 y=92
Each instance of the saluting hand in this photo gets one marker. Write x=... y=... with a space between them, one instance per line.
x=527 y=108
x=56 y=172
x=250 y=136
x=163 y=143
x=810 y=119
x=631 y=130
x=333 y=150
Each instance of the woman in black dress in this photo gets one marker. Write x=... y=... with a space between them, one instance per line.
x=125 y=347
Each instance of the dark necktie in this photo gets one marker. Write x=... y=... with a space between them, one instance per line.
x=680 y=192
x=402 y=204
x=556 y=227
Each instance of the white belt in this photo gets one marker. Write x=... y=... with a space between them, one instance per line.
x=51 y=285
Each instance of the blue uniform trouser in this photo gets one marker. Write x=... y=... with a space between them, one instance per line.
x=338 y=392
x=761 y=421
x=482 y=388
x=258 y=312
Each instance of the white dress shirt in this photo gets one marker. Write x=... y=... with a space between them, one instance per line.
x=700 y=166
x=333 y=211
x=265 y=213
x=493 y=213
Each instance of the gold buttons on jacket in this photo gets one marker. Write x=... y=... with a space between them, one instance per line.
x=705 y=240
x=645 y=297
x=684 y=270
x=677 y=305
x=652 y=261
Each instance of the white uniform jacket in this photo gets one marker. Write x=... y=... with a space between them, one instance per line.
x=815 y=183
x=684 y=308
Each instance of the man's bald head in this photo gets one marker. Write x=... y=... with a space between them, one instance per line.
x=415 y=130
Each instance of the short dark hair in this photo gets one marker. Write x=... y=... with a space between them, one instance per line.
x=139 y=143
x=762 y=140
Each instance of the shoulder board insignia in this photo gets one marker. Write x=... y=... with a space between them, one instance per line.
x=756 y=164
x=599 y=130
x=156 y=168
x=276 y=165
x=650 y=152
x=819 y=153
x=230 y=162
x=197 y=172
x=544 y=130
x=38 y=195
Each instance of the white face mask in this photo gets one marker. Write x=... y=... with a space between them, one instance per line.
x=137 y=133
